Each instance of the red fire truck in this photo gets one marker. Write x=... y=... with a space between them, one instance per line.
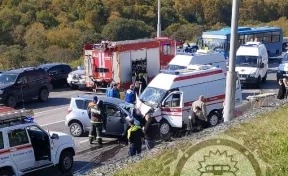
x=120 y=61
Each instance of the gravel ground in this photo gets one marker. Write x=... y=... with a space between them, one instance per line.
x=110 y=168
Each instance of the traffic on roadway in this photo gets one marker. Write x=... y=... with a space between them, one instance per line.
x=165 y=89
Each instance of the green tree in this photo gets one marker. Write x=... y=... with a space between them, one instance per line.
x=46 y=18
x=124 y=29
x=35 y=36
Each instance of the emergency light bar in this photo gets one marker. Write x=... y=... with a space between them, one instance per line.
x=13 y=115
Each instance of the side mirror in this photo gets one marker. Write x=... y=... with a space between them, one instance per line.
x=55 y=136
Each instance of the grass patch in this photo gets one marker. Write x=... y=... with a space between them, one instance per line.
x=266 y=136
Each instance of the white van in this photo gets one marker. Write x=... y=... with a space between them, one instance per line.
x=252 y=63
x=171 y=93
x=203 y=57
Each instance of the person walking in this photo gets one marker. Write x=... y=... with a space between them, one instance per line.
x=130 y=95
x=285 y=81
x=96 y=116
x=198 y=112
x=150 y=131
x=281 y=90
x=135 y=136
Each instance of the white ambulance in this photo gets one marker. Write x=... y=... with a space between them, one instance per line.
x=203 y=57
x=171 y=93
x=252 y=63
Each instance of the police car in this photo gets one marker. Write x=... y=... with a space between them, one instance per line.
x=25 y=147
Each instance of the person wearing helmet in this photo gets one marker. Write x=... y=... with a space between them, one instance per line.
x=96 y=115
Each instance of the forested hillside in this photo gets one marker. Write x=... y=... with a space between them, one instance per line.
x=38 y=31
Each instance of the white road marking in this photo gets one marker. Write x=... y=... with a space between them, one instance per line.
x=50 y=110
x=47 y=124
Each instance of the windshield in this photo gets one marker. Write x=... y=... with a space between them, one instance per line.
x=285 y=59
x=214 y=43
x=127 y=106
x=175 y=67
x=250 y=61
x=8 y=78
x=152 y=96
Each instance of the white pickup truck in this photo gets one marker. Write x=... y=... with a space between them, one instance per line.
x=25 y=147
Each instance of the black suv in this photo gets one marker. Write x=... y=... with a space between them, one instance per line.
x=57 y=72
x=24 y=84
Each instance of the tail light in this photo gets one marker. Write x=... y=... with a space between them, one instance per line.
x=69 y=110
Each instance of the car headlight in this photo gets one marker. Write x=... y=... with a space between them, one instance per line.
x=1 y=92
x=253 y=75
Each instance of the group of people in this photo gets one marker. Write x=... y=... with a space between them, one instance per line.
x=135 y=135
x=283 y=89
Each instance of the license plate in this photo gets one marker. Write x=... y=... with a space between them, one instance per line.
x=242 y=79
x=285 y=74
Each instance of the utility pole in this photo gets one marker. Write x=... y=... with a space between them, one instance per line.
x=159 y=19
x=231 y=74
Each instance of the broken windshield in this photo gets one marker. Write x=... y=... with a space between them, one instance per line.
x=152 y=96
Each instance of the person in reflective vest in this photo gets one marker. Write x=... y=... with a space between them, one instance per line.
x=96 y=116
x=135 y=137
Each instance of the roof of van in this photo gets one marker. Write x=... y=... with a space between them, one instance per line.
x=167 y=81
x=197 y=58
x=250 y=49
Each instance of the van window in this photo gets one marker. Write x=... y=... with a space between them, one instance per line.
x=152 y=96
x=166 y=49
x=173 y=100
x=250 y=61
x=175 y=67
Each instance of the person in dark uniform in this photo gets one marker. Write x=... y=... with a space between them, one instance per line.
x=135 y=136
x=96 y=116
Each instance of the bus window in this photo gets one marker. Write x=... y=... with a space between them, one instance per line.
x=267 y=37
x=275 y=36
x=241 y=39
x=249 y=38
x=258 y=37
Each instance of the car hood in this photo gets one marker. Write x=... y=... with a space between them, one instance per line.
x=63 y=138
x=78 y=72
x=246 y=70
x=4 y=85
x=283 y=67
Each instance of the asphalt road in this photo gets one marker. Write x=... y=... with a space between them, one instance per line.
x=51 y=115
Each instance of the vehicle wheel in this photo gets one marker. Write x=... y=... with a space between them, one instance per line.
x=43 y=95
x=76 y=129
x=6 y=173
x=264 y=78
x=213 y=118
x=165 y=130
x=73 y=87
x=258 y=84
x=11 y=101
x=65 y=162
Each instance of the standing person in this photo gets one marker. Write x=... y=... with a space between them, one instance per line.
x=137 y=88
x=198 y=112
x=282 y=90
x=114 y=92
x=143 y=83
x=108 y=90
x=130 y=95
x=150 y=131
x=96 y=120
x=286 y=86
x=135 y=136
